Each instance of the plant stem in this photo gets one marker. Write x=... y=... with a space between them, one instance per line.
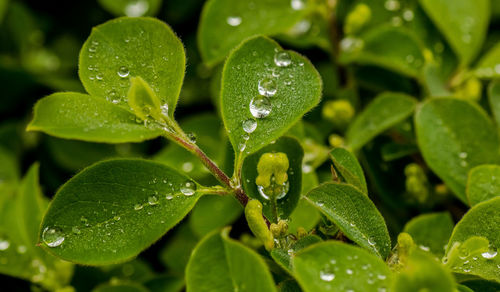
x=179 y=137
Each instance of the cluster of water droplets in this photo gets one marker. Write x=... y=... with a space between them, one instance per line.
x=332 y=270
x=401 y=14
x=236 y=20
x=470 y=260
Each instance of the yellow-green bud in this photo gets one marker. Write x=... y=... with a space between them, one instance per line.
x=339 y=112
x=357 y=18
x=428 y=56
x=471 y=89
x=301 y=232
x=272 y=164
x=441 y=189
x=253 y=214
x=336 y=140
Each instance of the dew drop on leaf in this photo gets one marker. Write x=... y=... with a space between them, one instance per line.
x=260 y=107
x=138 y=207
x=489 y=254
x=123 y=72
x=153 y=200
x=282 y=59
x=4 y=242
x=249 y=125
x=53 y=236
x=297 y=4
x=164 y=109
x=188 y=188
x=326 y=275
x=191 y=136
x=233 y=20
x=392 y=5
x=267 y=87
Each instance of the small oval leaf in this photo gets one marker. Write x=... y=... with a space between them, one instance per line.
x=355 y=215
x=250 y=73
x=113 y=210
x=431 y=232
x=348 y=167
x=454 y=136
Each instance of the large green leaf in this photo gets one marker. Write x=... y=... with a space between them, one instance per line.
x=423 y=273
x=336 y=266
x=354 y=213
x=221 y=264
x=385 y=111
x=348 y=167
x=454 y=136
x=462 y=22
x=285 y=203
x=79 y=116
x=295 y=89
x=113 y=210
x=225 y=23
x=431 y=232
x=132 y=8
x=127 y=47
x=389 y=47
x=494 y=99
x=474 y=243
x=483 y=183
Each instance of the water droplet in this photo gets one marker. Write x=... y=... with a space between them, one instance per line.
x=164 y=109
x=297 y=4
x=489 y=254
x=349 y=271
x=136 y=8
x=138 y=207
x=188 y=188
x=392 y=5
x=233 y=20
x=123 y=72
x=267 y=87
x=462 y=155
x=282 y=59
x=351 y=44
x=153 y=200
x=21 y=249
x=381 y=277
x=169 y=197
x=191 y=136
x=4 y=243
x=424 y=248
x=326 y=275
x=242 y=147
x=52 y=236
x=76 y=230
x=187 y=166
x=249 y=125
x=260 y=107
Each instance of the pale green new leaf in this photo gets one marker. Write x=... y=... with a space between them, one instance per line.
x=129 y=47
x=462 y=22
x=113 y=210
x=454 y=136
x=347 y=165
x=355 y=215
x=143 y=101
x=385 y=111
x=483 y=183
x=72 y=115
x=475 y=257
x=225 y=23
x=221 y=264
x=336 y=266
x=297 y=90
x=431 y=232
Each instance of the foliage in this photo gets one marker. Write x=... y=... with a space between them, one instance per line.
x=295 y=145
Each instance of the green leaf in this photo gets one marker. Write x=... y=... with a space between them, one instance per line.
x=165 y=283
x=431 y=232
x=487 y=67
x=483 y=183
x=79 y=116
x=481 y=221
x=9 y=170
x=389 y=47
x=348 y=167
x=214 y=212
x=225 y=23
x=113 y=210
x=385 y=111
x=462 y=22
x=219 y=263
x=336 y=266
x=354 y=213
x=176 y=253
x=454 y=136
x=423 y=273
x=494 y=99
x=143 y=101
x=131 y=8
x=284 y=206
x=298 y=89
x=304 y=215
x=129 y=47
